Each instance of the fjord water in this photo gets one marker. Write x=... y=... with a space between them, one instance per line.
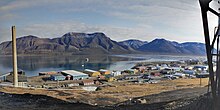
x=32 y=65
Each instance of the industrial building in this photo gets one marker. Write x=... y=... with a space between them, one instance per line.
x=22 y=80
x=3 y=77
x=75 y=75
x=57 y=77
x=92 y=73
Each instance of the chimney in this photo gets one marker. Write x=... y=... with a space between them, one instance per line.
x=14 y=52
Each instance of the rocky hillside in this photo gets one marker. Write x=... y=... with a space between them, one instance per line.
x=74 y=43
x=132 y=43
x=98 y=43
x=165 y=46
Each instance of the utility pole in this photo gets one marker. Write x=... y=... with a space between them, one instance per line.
x=214 y=76
x=14 y=52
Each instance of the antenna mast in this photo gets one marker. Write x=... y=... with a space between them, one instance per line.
x=214 y=76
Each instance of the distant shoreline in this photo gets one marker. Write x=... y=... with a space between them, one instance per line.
x=118 y=55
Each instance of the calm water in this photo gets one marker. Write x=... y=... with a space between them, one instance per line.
x=32 y=65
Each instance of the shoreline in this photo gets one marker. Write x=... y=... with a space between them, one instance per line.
x=47 y=63
x=110 y=54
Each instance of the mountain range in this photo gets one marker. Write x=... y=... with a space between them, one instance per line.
x=98 y=43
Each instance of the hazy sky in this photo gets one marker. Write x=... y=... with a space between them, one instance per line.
x=178 y=20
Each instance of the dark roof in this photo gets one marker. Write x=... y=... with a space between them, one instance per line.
x=57 y=75
x=21 y=78
x=87 y=81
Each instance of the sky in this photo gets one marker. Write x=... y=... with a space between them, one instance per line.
x=176 y=20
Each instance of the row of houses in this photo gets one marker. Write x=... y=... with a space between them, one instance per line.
x=86 y=82
x=173 y=67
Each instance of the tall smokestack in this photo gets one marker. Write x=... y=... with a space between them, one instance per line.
x=14 y=51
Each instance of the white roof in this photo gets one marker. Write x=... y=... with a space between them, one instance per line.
x=103 y=70
x=5 y=74
x=73 y=72
x=179 y=74
x=88 y=70
x=176 y=68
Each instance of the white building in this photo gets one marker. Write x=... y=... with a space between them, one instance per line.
x=116 y=73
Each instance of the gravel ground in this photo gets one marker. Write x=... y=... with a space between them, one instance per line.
x=38 y=102
x=185 y=99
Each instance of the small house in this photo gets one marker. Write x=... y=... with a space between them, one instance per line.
x=141 y=69
x=166 y=71
x=172 y=77
x=189 y=72
x=131 y=71
x=72 y=84
x=47 y=73
x=192 y=62
x=97 y=82
x=163 y=66
x=86 y=82
x=203 y=75
x=89 y=88
x=174 y=65
x=104 y=72
x=100 y=78
x=110 y=78
x=151 y=67
x=145 y=76
x=57 y=77
x=181 y=62
x=180 y=75
x=155 y=73
x=176 y=69
x=116 y=73
x=200 y=68
x=92 y=73
x=131 y=77
x=20 y=72
x=189 y=68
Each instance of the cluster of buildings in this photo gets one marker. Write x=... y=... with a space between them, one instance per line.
x=77 y=75
x=141 y=73
x=8 y=78
x=84 y=78
x=150 y=73
x=172 y=70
